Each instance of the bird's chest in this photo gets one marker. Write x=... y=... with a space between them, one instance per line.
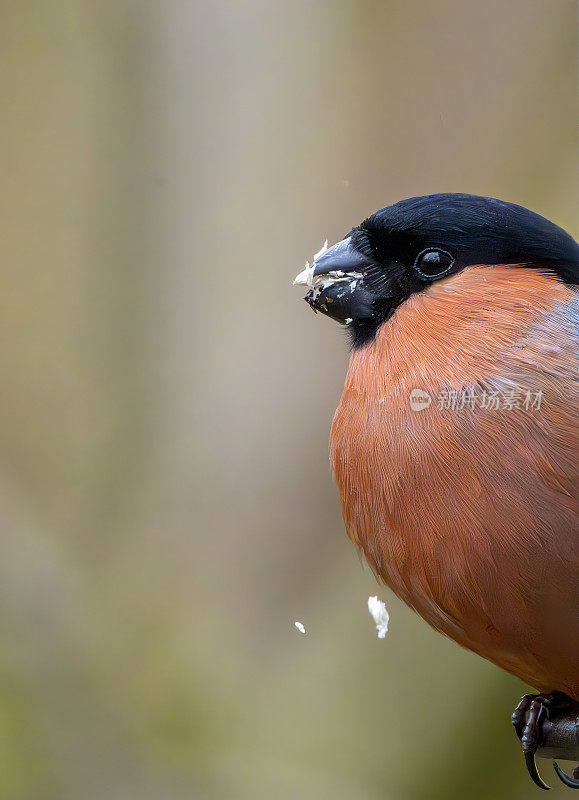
x=391 y=456
x=372 y=465
x=391 y=470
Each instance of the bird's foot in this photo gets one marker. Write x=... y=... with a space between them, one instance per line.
x=530 y=716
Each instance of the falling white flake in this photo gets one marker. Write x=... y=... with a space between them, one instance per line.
x=378 y=611
x=300 y=627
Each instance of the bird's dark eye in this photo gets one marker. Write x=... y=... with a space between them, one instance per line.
x=433 y=263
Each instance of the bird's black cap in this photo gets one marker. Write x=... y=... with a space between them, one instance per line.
x=404 y=247
x=477 y=230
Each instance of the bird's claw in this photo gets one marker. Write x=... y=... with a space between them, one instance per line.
x=533 y=771
x=528 y=720
x=572 y=783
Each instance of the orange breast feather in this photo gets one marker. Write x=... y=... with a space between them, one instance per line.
x=470 y=514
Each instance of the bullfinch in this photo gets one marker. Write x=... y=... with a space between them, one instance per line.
x=454 y=445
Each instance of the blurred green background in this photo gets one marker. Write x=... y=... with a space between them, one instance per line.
x=166 y=502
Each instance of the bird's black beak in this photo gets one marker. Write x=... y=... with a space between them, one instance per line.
x=336 y=282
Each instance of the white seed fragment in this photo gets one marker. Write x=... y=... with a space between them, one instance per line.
x=378 y=611
x=306 y=277
x=322 y=251
x=317 y=283
x=300 y=627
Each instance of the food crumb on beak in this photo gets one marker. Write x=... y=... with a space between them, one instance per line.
x=300 y=627
x=306 y=277
x=322 y=250
x=378 y=611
